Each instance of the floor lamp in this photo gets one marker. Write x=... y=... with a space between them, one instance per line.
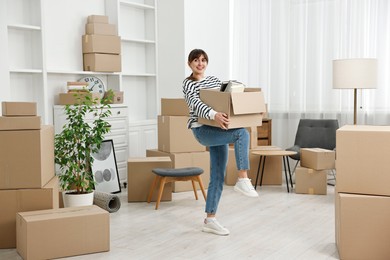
x=355 y=74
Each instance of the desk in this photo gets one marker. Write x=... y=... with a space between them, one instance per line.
x=263 y=155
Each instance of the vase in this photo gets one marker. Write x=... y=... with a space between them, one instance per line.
x=76 y=200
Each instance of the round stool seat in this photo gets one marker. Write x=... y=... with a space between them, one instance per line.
x=180 y=172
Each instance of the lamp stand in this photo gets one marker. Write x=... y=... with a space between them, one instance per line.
x=354 y=106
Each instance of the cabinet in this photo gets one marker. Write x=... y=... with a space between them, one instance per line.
x=119 y=134
x=264 y=132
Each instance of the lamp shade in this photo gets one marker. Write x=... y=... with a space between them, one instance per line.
x=355 y=73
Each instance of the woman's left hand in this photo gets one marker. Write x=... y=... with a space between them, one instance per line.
x=222 y=120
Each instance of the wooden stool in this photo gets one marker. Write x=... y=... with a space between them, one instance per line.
x=166 y=175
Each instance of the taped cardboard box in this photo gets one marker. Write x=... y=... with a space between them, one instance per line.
x=19 y=108
x=73 y=98
x=100 y=28
x=56 y=233
x=362 y=226
x=174 y=107
x=362 y=154
x=318 y=158
x=174 y=136
x=140 y=178
x=309 y=181
x=20 y=123
x=244 y=109
x=188 y=159
x=26 y=158
x=97 y=18
x=14 y=201
x=109 y=44
x=101 y=62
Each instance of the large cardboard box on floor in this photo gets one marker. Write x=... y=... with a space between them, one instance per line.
x=182 y=160
x=14 y=201
x=318 y=158
x=102 y=62
x=272 y=169
x=96 y=43
x=362 y=226
x=19 y=108
x=310 y=181
x=140 y=178
x=244 y=109
x=26 y=158
x=174 y=136
x=20 y=123
x=48 y=234
x=362 y=154
x=174 y=107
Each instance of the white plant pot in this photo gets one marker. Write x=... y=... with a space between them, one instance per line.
x=76 y=200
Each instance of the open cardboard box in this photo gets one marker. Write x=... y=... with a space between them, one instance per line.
x=244 y=109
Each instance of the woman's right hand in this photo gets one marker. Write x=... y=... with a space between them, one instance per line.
x=222 y=120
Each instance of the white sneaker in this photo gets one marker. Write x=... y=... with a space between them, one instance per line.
x=245 y=186
x=213 y=226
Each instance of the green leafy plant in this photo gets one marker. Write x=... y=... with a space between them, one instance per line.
x=78 y=140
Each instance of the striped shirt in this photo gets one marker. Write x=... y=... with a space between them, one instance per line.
x=191 y=89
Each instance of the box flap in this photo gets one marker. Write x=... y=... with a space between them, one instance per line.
x=219 y=100
x=250 y=102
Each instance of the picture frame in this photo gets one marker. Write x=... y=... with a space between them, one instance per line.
x=105 y=170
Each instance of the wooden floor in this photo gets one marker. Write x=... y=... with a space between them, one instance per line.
x=277 y=225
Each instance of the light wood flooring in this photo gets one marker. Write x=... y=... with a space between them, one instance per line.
x=277 y=225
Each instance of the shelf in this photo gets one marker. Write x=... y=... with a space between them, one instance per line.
x=137 y=5
x=138 y=41
x=24 y=27
x=81 y=72
x=138 y=75
x=29 y=71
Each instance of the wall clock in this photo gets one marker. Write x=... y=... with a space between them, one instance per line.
x=95 y=85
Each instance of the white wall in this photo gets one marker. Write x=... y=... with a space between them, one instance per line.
x=186 y=25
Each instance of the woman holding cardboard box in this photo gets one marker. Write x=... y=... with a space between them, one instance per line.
x=216 y=138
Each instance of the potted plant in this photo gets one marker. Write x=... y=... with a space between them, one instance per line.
x=76 y=143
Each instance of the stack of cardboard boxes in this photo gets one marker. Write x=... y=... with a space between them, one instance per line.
x=311 y=176
x=177 y=142
x=27 y=179
x=101 y=45
x=30 y=218
x=363 y=192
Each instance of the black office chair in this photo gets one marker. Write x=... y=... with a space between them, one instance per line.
x=314 y=133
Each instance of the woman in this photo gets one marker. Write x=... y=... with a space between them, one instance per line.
x=217 y=139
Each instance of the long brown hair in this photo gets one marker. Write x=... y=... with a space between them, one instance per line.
x=195 y=54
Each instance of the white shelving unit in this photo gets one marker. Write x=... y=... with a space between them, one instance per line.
x=40 y=46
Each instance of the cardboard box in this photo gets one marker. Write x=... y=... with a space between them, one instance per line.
x=252 y=136
x=72 y=98
x=140 y=178
x=174 y=136
x=14 y=201
x=309 y=181
x=19 y=108
x=26 y=158
x=55 y=233
x=362 y=154
x=20 y=123
x=101 y=62
x=97 y=19
x=362 y=226
x=100 y=28
x=109 y=44
x=182 y=160
x=244 y=109
x=174 y=107
x=117 y=98
x=317 y=158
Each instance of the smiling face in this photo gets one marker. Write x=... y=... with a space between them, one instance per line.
x=198 y=61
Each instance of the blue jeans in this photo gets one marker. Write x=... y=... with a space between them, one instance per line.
x=218 y=141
